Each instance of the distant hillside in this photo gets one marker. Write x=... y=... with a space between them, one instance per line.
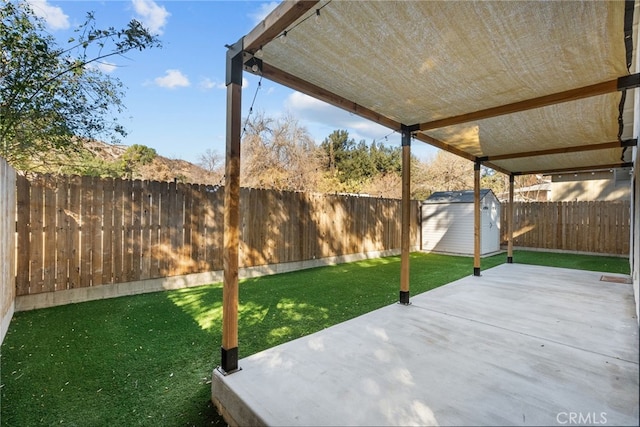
x=102 y=159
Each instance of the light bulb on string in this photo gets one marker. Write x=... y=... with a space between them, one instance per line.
x=259 y=53
x=283 y=37
x=317 y=18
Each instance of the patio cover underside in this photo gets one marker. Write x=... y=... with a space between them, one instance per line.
x=523 y=86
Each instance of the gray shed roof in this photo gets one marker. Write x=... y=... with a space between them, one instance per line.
x=465 y=196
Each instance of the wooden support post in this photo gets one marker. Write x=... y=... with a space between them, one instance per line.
x=406 y=217
x=229 y=356
x=476 y=218
x=510 y=223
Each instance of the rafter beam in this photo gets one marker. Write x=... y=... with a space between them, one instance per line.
x=622 y=83
x=453 y=150
x=563 y=150
x=296 y=83
x=577 y=169
x=276 y=22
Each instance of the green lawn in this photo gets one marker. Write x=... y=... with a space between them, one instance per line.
x=147 y=359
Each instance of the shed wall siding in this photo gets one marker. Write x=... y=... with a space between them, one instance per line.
x=448 y=227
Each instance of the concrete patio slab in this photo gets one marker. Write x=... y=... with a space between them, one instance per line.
x=520 y=345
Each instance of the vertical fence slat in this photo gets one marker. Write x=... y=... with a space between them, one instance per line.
x=36 y=281
x=73 y=240
x=146 y=200
x=86 y=233
x=62 y=233
x=154 y=228
x=136 y=230
x=107 y=231
x=50 y=217
x=118 y=240
x=97 y=225
x=23 y=200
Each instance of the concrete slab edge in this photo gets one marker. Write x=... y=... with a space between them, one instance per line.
x=72 y=296
x=229 y=404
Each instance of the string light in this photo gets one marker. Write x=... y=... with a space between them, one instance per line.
x=316 y=15
x=255 y=95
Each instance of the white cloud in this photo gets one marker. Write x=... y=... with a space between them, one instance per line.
x=152 y=16
x=312 y=110
x=263 y=11
x=207 y=84
x=53 y=15
x=172 y=79
x=106 y=67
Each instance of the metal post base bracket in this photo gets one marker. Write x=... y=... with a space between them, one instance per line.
x=476 y=271
x=404 y=297
x=509 y=260
x=229 y=360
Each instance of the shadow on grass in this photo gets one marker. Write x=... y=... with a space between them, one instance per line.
x=147 y=359
x=126 y=361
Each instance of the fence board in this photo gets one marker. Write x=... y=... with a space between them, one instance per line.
x=107 y=231
x=155 y=190
x=97 y=219
x=62 y=231
x=36 y=282
x=49 y=255
x=118 y=231
x=73 y=239
x=23 y=201
x=599 y=227
x=8 y=204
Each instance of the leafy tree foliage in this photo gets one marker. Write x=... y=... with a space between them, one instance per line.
x=355 y=164
x=135 y=156
x=51 y=95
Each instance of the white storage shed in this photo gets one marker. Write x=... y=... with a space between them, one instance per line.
x=447 y=222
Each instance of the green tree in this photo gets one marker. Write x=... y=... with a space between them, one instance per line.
x=50 y=95
x=135 y=156
x=355 y=165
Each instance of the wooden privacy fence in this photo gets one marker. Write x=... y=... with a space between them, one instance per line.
x=600 y=227
x=75 y=232
x=7 y=244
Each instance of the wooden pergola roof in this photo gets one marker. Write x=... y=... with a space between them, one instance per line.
x=519 y=86
x=524 y=86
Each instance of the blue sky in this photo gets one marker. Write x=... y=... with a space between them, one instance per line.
x=175 y=96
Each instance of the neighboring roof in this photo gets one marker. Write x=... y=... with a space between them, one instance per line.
x=487 y=80
x=545 y=186
x=465 y=196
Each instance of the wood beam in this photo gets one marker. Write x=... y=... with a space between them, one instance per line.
x=576 y=169
x=405 y=236
x=296 y=83
x=564 y=150
x=510 y=223
x=476 y=218
x=231 y=235
x=276 y=22
x=453 y=150
x=621 y=83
